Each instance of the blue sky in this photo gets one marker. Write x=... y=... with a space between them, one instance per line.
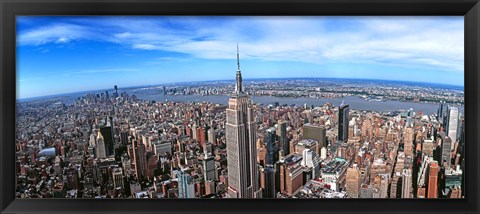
x=62 y=54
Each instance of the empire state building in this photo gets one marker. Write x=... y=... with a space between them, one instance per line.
x=241 y=148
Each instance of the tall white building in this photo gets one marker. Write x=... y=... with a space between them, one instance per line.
x=452 y=125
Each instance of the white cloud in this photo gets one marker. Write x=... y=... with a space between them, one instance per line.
x=144 y=46
x=58 y=33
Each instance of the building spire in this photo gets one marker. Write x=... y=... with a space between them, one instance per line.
x=238 y=60
x=238 y=85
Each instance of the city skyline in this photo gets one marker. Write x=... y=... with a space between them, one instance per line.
x=120 y=146
x=90 y=53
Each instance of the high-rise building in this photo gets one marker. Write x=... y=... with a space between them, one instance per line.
x=407 y=183
x=452 y=125
x=101 y=153
x=117 y=177
x=211 y=136
x=124 y=137
x=318 y=133
x=269 y=181
x=186 y=186
x=282 y=135
x=432 y=188
x=208 y=167
x=441 y=111
x=270 y=139
x=241 y=149
x=446 y=151
x=343 y=112
x=408 y=142
x=139 y=159
x=353 y=182
x=311 y=162
x=291 y=174
x=116 y=91
x=107 y=132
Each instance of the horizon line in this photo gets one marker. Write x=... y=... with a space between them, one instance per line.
x=245 y=79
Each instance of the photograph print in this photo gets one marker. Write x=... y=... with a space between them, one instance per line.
x=264 y=107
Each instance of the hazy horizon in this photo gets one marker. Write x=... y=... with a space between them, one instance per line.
x=230 y=80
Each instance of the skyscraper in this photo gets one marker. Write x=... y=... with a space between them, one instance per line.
x=282 y=135
x=241 y=149
x=271 y=148
x=208 y=167
x=452 y=125
x=432 y=191
x=101 y=153
x=107 y=132
x=343 y=111
x=116 y=91
x=408 y=141
x=318 y=133
x=269 y=180
x=407 y=183
x=353 y=182
x=446 y=143
x=117 y=177
x=186 y=188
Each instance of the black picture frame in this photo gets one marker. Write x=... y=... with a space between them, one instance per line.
x=470 y=9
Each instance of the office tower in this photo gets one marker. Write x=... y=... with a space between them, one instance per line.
x=452 y=125
x=282 y=135
x=124 y=137
x=408 y=142
x=186 y=186
x=240 y=138
x=441 y=111
x=211 y=137
x=194 y=131
x=269 y=182
x=151 y=164
x=407 y=183
x=291 y=174
x=208 y=167
x=107 y=132
x=101 y=153
x=126 y=164
x=343 y=112
x=117 y=177
x=445 y=156
x=164 y=90
x=139 y=159
x=432 y=188
x=116 y=91
x=270 y=139
x=318 y=133
x=311 y=162
x=353 y=181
